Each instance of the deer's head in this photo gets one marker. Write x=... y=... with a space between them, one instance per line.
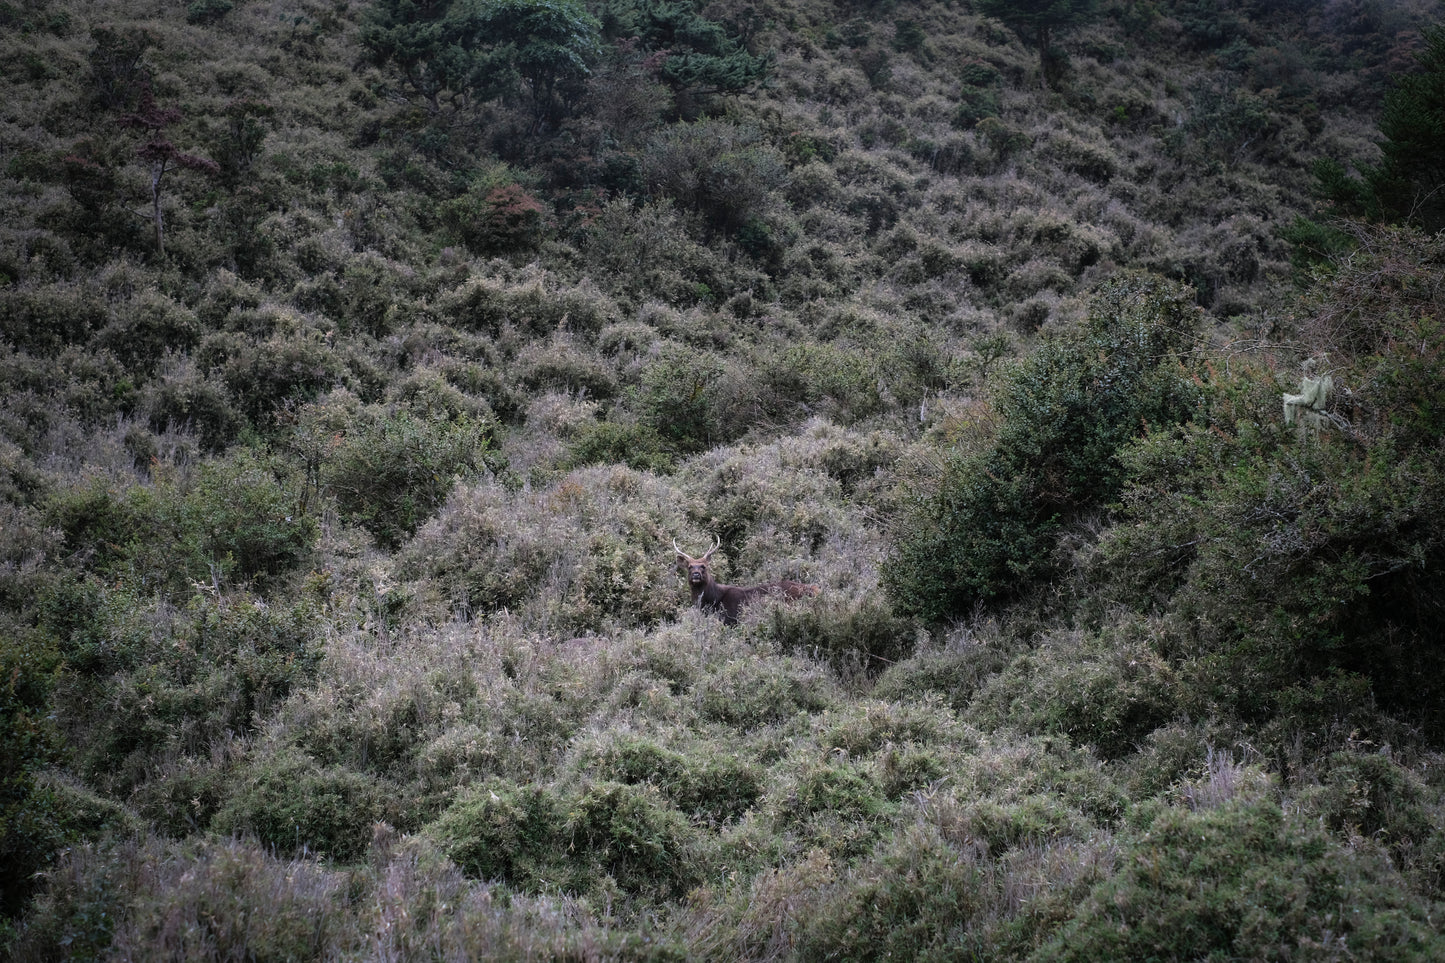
x=698 y=570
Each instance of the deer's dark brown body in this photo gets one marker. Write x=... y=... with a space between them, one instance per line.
x=726 y=601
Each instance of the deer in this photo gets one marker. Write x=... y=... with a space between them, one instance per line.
x=725 y=601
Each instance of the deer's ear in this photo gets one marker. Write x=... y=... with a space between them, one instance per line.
x=682 y=560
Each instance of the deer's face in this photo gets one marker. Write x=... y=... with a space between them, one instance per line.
x=694 y=568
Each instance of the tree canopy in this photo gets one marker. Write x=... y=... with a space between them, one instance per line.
x=1038 y=20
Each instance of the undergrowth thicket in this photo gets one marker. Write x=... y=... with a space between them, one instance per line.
x=361 y=362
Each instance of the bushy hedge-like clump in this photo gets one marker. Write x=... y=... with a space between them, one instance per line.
x=506 y=832
x=1245 y=879
x=592 y=549
x=535 y=838
x=391 y=467
x=705 y=785
x=237 y=518
x=987 y=530
x=288 y=801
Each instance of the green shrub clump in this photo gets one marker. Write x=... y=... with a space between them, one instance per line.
x=236 y=518
x=988 y=528
x=391 y=468
x=1245 y=880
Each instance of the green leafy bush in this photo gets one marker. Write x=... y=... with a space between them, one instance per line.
x=29 y=834
x=636 y=837
x=585 y=552
x=725 y=172
x=503 y=831
x=705 y=785
x=850 y=637
x=496 y=219
x=1065 y=412
x=290 y=802
x=1340 y=537
x=390 y=468
x=235 y=518
x=745 y=693
x=1244 y=879
x=1108 y=692
x=533 y=839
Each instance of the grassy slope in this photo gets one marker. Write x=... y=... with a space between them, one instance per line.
x=269 y=627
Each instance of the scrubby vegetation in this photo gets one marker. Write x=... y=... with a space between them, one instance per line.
x=362 y=360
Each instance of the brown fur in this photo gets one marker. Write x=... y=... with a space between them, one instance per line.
x=710 y=595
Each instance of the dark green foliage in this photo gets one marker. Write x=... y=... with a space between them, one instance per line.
x=703 y=58
x=118 y=71
x=236 y=145
x=676 y=398
x=1410 y=178
x=533 y=838
x=637 y=446
x=237 y=519
x=290 y=802
x=207 y=11
x=1340 y=538
x=551 y=44
x=391 y=469
x=502 y=831
x=1038 y=21
x=1244 y=879
x=1313 y=244
x=1406 y=185
x=850 y=637
x=1065 y=412
x=452 y=54
x=635 y=836
x=146 y=328
x=265 y=378
x=723 y=171
x=501 y=219
x=716 y=788
x=29 y=834
x=436 y=47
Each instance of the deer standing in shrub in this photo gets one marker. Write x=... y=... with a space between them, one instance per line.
x=710 y=595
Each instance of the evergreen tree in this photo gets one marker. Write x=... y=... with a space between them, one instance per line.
x=1410 y=181
x=1038 y=20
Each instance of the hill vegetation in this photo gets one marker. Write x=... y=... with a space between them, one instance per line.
x=362 y=359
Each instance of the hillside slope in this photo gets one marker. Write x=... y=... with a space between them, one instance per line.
x=363 y=362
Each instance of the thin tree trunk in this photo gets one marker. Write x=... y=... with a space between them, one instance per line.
x=157 y=172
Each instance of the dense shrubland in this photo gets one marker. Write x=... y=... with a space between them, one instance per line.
x=361 y=361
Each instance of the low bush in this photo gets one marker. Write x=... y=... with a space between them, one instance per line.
x=865 y=636
x=725 y=172
x=30 y=833
x=203 y=900
x=288 y=801
x=636 y=837
x=236 y=518
x=502 y=220
x=609 y=442
x=146 y=328
x=590 y=550
x=391 y=467
x=918 y=896
x=705 y=785
x=1245 y=879
x=510 y=833
x=1108 y=692
x=746 y=693
x=534 y=839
